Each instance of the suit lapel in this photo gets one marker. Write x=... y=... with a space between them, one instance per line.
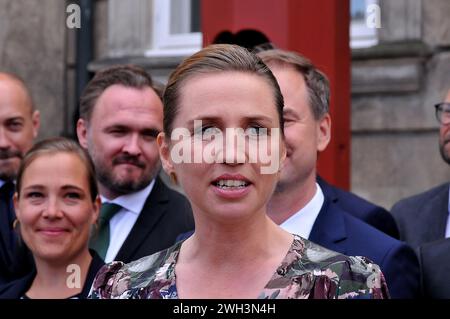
x=436 y=208
x=154 y=208
x=329 y=228
x=328 y=191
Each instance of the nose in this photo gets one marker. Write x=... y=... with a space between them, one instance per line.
x=234 y=147
x=132 y=145
x=53 y=209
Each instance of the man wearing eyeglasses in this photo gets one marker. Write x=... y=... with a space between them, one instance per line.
x=424 y=218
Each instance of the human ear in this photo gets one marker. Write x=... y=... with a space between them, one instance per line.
x=164 y=153
x=323 y=132
x=82 y=133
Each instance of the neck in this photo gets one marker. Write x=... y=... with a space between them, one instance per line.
x=245 y=241
x=107 y=193
x=57 y=281
x=287 y=201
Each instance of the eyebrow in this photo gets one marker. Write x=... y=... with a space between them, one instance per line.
x=210 y=119
x=42 y=187
x=152 y=131
x=16 y=118
x=69 y=187
x=287 y=112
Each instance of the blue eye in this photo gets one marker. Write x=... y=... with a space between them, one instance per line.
x=209 y=131
x=255 y=131
x=206 y=133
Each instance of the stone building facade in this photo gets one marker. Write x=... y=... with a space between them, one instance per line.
x=395 y=84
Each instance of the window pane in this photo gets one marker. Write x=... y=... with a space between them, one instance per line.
x=184 y=16
x=358 y=9
x=195 y=16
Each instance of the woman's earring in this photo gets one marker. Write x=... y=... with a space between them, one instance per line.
x=15 y=223
x=174 y=178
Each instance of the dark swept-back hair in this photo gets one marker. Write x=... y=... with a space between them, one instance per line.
x=213 y=59
x=317 y=83
x=127 y=75
x=59 y=145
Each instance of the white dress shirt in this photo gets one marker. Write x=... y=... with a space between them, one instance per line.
x=301 y=223
x=123 y=221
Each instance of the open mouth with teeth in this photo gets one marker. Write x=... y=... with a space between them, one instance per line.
x=230 y=184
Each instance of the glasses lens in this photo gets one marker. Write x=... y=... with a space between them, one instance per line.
x=443 y=113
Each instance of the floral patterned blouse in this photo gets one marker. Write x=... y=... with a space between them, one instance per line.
x=308 y=271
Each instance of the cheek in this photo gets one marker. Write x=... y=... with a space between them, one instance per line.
x=28 y=214
x=151 y=152
x=80 y=215
x=444 y=130
x=189 y=175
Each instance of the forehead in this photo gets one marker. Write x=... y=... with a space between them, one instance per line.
x=293 y=87
x=63 y=165
x=14 y=100
x=230 y=91
x=447 y=98
x=131 y=104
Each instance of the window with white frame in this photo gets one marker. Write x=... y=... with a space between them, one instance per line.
x=364 y=21
x=176 y=27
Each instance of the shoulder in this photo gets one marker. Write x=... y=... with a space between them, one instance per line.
x=337 y=276
x=356 y=205
x=415 y=201
x=17 y=288
x=174 y=198
x=117 y=280
x=361 y=208
x=374 y=242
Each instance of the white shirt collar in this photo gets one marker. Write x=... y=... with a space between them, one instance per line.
x=302 y=222
x=133 y=202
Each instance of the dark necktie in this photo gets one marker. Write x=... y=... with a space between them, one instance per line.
x=100 y=241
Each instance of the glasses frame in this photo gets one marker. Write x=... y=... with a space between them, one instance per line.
x=439 y=111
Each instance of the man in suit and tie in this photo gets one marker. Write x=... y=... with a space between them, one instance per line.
x=121 y=114
x=19 y=125
x=424 y=217
x=301 y=203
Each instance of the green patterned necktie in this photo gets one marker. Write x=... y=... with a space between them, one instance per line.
x=100 y=241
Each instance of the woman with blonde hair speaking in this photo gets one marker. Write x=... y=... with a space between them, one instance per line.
x=223 y=143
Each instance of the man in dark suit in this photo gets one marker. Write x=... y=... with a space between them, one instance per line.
x=374 y=215
x=19 y=124
x=121 y=114
x=434 y=260
x=303 y=206
x=424 y=217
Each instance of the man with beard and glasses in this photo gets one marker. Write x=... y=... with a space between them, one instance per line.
x=424 y=217
x=19 y=124
x=121 y=113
